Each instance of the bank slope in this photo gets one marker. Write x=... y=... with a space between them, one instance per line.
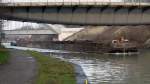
x=53 y=71
x=105 y=34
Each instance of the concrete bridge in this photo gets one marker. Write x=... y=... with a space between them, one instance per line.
x=62 y=34
x=30 y=32
x=79 y=13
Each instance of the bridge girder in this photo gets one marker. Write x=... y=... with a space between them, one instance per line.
x=79 y=15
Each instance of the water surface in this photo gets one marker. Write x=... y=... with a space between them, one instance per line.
x=112 y=69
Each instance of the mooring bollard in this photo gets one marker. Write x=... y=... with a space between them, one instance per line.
x=86 y=81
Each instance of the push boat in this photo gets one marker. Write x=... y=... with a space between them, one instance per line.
x=123 y=46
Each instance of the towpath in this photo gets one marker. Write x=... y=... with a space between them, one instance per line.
x=21 y=69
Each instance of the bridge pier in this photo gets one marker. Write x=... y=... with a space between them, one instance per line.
x=1 y=31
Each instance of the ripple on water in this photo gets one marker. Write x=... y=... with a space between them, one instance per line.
x=101 y=69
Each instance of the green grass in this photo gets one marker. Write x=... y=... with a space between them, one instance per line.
x=53 y=71
x=4 y=55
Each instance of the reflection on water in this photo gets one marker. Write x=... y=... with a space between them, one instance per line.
x=108 y=69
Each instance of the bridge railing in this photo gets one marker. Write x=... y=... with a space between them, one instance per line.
x=73 y=2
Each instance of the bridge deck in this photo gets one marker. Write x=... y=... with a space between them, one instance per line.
x=20 y=4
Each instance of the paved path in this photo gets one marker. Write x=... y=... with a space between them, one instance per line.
x=21 y=69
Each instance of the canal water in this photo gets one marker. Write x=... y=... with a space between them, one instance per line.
x=112 y=69
x=104 y=68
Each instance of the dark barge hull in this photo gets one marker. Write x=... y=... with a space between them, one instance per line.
x=123 y=50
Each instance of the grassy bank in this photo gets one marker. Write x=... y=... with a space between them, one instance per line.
x=53 y=71
x=4 y=55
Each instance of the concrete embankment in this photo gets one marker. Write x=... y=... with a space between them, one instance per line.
x=80 y=75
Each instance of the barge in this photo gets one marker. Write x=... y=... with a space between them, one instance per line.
x=123 y=46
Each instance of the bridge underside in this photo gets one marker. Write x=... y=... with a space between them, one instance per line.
x=79 y=15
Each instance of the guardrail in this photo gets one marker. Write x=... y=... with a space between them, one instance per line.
x=74 y=2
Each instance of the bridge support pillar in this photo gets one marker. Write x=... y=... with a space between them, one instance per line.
x=0 y=31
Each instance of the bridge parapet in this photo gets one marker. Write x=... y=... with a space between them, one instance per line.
x=36 y=4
